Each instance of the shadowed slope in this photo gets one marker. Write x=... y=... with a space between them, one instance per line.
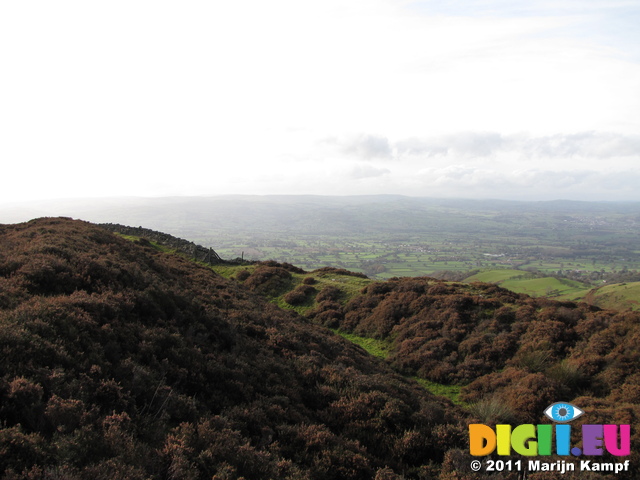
x=118 y=361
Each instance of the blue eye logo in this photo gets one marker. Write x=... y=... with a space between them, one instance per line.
x=562 y=412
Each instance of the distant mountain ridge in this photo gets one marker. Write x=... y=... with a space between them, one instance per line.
x=179 y=215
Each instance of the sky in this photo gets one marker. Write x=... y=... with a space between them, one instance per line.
x=524 y=100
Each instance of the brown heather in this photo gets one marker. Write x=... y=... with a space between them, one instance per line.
x=121 y=362
x=117 y=361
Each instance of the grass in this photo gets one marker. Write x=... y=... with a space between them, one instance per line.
x=452 y=392
x=493 y=410
x=230 y=271
x=494 y=276
x=382 y=349
x=621 y=296
x=157 y=246
x=376 y=348
x=525 y=282
x=349 y=285
x=545 y=286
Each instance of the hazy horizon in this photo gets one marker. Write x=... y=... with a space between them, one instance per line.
x=145 y=211
x=476 y=99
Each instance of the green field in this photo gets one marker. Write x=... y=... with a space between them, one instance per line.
x=536 y=285
x=546 y=287
x=620 y=296
x=494 y=276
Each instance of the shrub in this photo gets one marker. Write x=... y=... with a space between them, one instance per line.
x=493 y=410
x=324 y=271
x=329 y=293
x=569 y=375
x=268 y=280
x=242 y=275
x=301 y=295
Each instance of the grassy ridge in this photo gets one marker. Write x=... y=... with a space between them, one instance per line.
x=348 y=285
x=621 y=296
x=494 y=276
x=524 y=282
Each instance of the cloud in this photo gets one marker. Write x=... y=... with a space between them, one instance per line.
x=235 y=91
x=359 y=172
x=587 y=144
x=466 y=143
x=363 y=145
x=469 y=181
x=600 y=145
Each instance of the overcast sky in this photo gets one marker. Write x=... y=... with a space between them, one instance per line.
x=480 y=98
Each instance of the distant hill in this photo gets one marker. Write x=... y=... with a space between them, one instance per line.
x=195 y=218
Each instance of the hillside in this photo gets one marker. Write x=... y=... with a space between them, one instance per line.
x=624 y=295
x=119 y=361
x=621 y=296
x=535 y=284
x=505 y=356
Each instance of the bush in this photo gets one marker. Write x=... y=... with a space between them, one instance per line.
x=300 y=295
x=329 y=293
x=242 y=275
x=324 y=271
x=267 y=280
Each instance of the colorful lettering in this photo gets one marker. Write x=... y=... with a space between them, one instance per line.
x=611 y=439
x=530 y=440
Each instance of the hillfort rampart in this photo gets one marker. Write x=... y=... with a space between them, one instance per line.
x=197 y=252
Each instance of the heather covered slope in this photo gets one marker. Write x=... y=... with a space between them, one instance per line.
x=458 y=333
x=512 y=354
x=118 y=361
